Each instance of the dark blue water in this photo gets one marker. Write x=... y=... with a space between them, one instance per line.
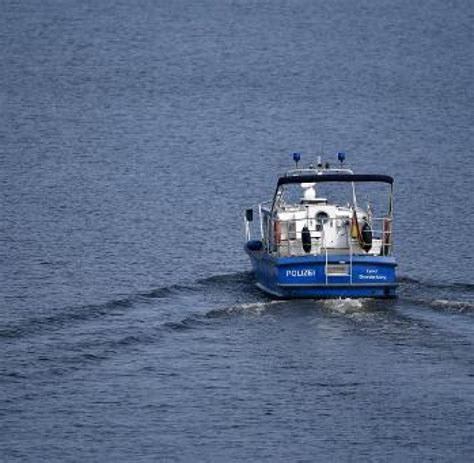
x=132 y=135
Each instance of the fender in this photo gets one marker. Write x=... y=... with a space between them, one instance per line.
x=306 y=239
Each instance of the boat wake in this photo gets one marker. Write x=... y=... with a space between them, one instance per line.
x=445 y=304
x=237 y=286
x=92 y=333
x=451 y=297
x=237 y=293
x=252 y=308
x=409 y=283
x=345 y=306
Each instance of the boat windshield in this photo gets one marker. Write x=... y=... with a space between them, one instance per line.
x=376 y=196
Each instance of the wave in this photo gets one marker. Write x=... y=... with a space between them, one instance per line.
x=240 y=287
x=96 y=348
x=196 y=320
x=65 y=316
x=459 y=304
x=346 y=305
x=256 y=308
x=450 y=296
x=444 y=304
x=189 y=322
x=226 y=278
x=453 y=286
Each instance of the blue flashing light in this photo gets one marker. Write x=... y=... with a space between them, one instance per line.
x=341 y=157
x=296 y=158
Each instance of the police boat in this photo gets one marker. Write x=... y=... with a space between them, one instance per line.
x=315 y=240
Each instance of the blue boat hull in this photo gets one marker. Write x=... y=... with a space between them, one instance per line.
x=305 y=276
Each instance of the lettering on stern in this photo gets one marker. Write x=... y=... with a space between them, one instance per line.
x=372 y=274
x=301 y=273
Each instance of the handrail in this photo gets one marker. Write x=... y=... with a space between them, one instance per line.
x=382 y=236
x=280 y=238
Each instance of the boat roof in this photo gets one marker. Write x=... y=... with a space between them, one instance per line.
x=318 y=178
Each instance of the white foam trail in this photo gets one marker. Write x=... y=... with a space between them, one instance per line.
x=344 y=306
x=460 y=305
x=253 y=307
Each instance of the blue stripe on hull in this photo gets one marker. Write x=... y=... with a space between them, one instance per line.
x=305 y=276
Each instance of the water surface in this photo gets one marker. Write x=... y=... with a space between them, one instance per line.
x=132 y=135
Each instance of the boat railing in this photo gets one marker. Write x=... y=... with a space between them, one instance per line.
x=284 y=237
x=331 y=236
x=251 y=225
